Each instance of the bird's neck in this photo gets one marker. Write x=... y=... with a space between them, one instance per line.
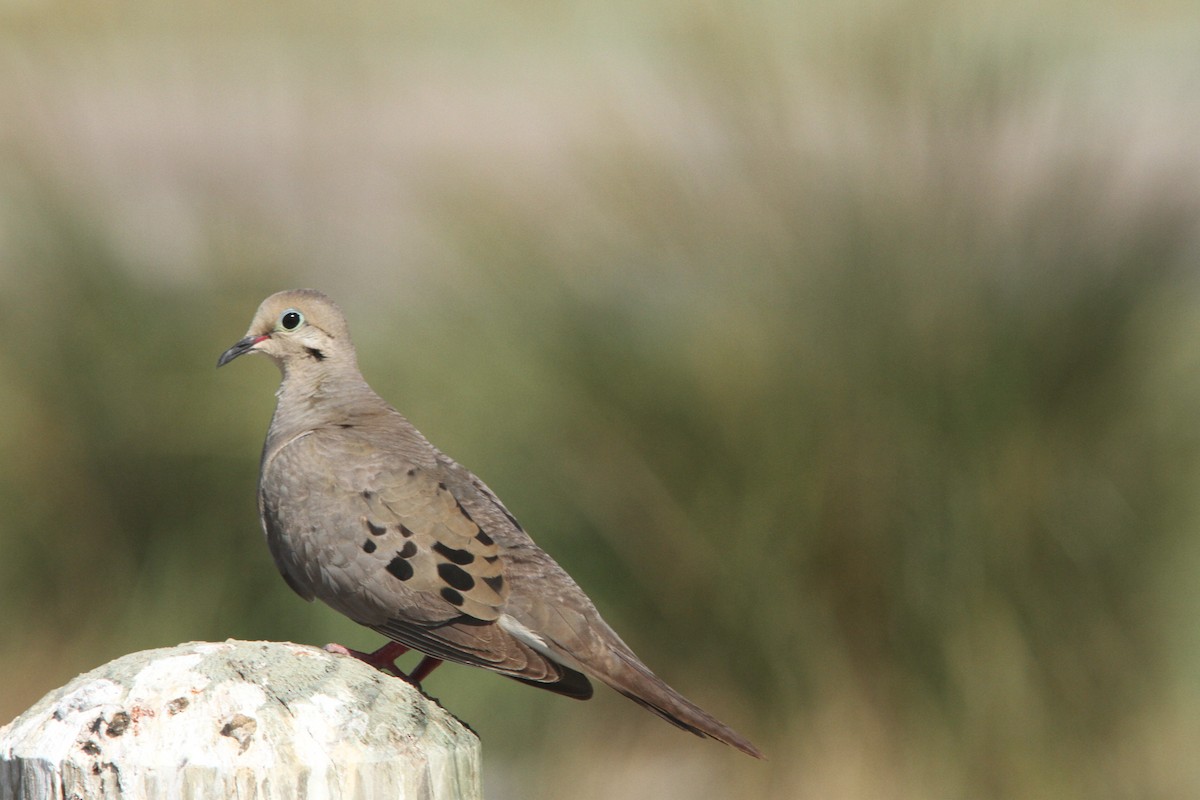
x=309 y=399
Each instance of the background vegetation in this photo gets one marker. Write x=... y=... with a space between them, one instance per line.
x=845 y=352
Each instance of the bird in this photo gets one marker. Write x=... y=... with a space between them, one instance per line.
x=362 y=512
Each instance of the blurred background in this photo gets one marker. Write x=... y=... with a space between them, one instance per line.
x=846 y=353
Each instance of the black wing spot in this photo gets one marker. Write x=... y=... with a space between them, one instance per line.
x=408 y=551
x=463 y=511
x=368 y=546
x=455 y=556
x=491 y=559
x=456 y=576
x=376 y=530
x=412 y=471
x=452 y=597
x=441 y=486
x=366 y=493
x=405 y=532
x=484 y=539
x=496 y=583
x=400 y=568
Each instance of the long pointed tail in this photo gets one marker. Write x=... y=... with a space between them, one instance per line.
x=635 y=680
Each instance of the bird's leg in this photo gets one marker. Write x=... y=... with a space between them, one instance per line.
x=383 y=659
x=428 y=664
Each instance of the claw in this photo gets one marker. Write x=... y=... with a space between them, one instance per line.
x=385 y=659
x=382 y=659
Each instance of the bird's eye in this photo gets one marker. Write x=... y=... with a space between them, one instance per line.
x=290 y=319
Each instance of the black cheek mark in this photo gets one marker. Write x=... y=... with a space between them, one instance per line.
x=315 y=353
x=408 y=551
x=400 y=568
x=405 y=532
x=368 y=546
x=496 y=583
x=366 y=493
x=484 y=539
x=345 y=424
x=450 y=554
x=452 y=597
x=456 y=576
x=412 y=471
x=376 y=530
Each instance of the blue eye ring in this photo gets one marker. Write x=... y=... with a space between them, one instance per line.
x=290 y=320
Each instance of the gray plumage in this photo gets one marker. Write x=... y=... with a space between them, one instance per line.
x=363 y=513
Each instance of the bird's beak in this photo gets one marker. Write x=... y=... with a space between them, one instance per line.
x=244 y=346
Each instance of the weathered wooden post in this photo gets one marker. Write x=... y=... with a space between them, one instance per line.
x=252 y=720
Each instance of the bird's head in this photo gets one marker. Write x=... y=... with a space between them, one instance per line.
x=296 y=327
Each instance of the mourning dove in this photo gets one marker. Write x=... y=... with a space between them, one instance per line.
x=362 y=512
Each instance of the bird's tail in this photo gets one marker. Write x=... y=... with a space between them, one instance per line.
x=634 y=679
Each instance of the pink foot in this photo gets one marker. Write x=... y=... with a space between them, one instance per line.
x=383 y=659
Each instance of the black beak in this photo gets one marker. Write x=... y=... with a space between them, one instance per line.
x=243 y=346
